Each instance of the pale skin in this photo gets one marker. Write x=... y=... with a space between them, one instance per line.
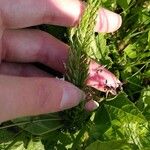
x=24 y=89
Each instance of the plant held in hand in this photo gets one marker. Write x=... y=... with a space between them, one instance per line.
x=81 y=68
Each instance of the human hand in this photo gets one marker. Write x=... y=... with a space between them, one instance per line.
x=24 y=89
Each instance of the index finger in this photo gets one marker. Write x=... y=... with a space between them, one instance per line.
x=25 y=13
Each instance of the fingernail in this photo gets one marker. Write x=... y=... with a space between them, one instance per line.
x=91 y=105
x=71 y=97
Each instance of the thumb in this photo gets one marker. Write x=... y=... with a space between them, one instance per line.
x=32 y=96
x=107 y=21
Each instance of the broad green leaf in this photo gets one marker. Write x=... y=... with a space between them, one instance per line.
x=110 y=145
x=39 y=125
x=123 y=107
x=127 y=121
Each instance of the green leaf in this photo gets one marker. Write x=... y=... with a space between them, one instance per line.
x=101 y=122
x=123 y=107
x=130 y=51
x=102 y=45
x=98 y=47
x=110 y=145
x=127 y=122
x=99 y=50
x=40 y=124
x=5 y=135
x=124 y=3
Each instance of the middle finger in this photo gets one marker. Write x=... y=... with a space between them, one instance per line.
x=28 y=45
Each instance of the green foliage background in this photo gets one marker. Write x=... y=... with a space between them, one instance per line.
x=121 y=122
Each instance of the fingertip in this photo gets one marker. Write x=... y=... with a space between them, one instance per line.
x=107 y=21
x=71 y=96
x=77 y=14
x=91 y=105
x=70 y=12
x=57 y=95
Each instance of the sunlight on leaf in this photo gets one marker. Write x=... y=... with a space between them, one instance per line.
x=130 y=50
x=18 y=146
x=110 y=145
x=127 y=121
x=35 y=144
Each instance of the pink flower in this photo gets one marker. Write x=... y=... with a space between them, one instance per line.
x=102 y=79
